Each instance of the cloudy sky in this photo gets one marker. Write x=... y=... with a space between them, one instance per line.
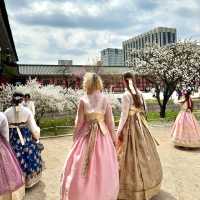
x=47 y=30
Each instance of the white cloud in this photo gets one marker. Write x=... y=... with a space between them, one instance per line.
x=48 y=30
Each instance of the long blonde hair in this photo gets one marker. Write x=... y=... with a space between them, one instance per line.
x=92 y=82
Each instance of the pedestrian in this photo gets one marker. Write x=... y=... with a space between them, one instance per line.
x=29 y=103
x=11 y=176
x=24 y=134
x=139 y=162
x=91 y=168
x=186 y=129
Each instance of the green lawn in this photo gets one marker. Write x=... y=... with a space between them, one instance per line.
x=54 y=127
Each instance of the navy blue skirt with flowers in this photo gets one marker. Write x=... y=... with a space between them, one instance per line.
x=28 y=155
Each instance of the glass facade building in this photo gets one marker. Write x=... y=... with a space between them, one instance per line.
x=112 y=57
x=160 y=36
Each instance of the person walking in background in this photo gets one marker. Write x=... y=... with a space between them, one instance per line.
x=139 y=162
x=23 y=136
x=28 y=103
x=91 y=168
x=186 y=129
x=11 y=176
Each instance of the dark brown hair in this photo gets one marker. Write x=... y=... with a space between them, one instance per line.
x=17 y=98
x=136 y=97
x=189 y=100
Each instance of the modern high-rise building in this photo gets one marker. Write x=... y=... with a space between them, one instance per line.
x=160 y=36
x=112 y=57
x=65 y=62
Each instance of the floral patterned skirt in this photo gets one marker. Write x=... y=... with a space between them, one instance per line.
x=28 y=155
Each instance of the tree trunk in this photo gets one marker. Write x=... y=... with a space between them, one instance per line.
x=162 y=111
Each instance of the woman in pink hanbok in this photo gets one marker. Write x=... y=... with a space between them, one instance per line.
x=140 y=167
x=11 y=176
x=91 y=169
x=186 y=129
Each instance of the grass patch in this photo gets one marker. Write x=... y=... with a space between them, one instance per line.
x=54 y=131
x=155 y=116
x=63 y=121
x=155 y=102
x=55 y=127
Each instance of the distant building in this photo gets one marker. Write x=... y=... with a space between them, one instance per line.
x=160 y=36
x=65 y=62
x=68 y=76
x=112 y=57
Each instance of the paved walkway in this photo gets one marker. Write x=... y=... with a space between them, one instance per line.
x=181 y=169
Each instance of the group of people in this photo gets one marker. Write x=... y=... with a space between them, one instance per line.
x=103 y=164
x=20 y=155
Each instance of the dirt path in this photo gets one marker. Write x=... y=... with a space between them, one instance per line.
x=181 y=169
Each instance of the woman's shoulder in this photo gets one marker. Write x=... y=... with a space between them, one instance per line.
x=25 y=109
x=126 y=95
x=83 y=98
x=2 y=117
x=8 y=110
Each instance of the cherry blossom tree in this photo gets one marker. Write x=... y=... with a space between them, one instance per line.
x=6 y=92
x=47 y=98
x=166 y=67
x=73 y=97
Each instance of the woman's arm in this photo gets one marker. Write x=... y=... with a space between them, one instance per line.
x=109 y=120
x=33 y=107
x=124 y=113
x=79 y=121
x=35 y=130
x=4 y=129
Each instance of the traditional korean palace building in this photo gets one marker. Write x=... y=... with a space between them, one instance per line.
x=71 y=75
x=8 y=54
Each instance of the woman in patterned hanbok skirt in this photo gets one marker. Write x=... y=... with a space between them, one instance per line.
x=140 y=167
x=24 y=134
x=186 y=129
x=11 y=176
x=91 y=169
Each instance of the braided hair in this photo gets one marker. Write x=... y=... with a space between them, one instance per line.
x=188 y=100
x=136 y=97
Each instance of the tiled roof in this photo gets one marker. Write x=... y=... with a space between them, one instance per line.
x=64 y=70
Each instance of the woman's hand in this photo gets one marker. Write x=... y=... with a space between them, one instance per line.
x=120 y=138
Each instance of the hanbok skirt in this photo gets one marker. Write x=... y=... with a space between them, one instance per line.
x=102 y=179
x=186 y=130
x=28 y=155
x=11 y=176
x=139 y=162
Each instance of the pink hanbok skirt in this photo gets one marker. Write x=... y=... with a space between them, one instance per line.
x=186 y=130
x=102 y=179
x=11 y=176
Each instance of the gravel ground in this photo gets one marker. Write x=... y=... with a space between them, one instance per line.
x=181 y=169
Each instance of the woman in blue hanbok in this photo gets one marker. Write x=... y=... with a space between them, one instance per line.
x=24 y=134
